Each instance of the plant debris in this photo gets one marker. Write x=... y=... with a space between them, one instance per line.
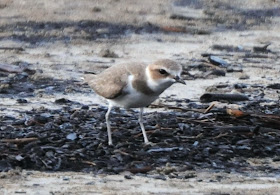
x=190 y=135
x=208 y=97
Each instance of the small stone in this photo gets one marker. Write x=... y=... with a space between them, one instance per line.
x=103 y=31
x=240 y=86
x=274 y=86
x=90 y=183
x=21 y=101
x=235 y=68
x=96 y=9
x=66 y=179
x=218 y=72
x=218 y=61
x=128 y=177
x=62 y=101
x=19 y=158
x=106 y=53
x=244 y=76
x=85 y=107
x=71 y=136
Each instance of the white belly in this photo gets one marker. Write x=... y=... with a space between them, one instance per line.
x=132 y=97
x=133 y=100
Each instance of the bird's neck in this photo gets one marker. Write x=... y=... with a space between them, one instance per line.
x=156 y=86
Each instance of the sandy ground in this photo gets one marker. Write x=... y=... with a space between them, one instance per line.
x=30 y=182
x=71 y=54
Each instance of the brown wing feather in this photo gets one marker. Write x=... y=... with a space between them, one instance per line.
x=110 y=83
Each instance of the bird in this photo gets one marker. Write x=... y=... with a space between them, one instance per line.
x=134 y=85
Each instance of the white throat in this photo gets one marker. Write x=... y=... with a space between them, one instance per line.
x=158 y=86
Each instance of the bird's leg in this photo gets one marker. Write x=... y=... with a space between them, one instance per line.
x=107 y=117
x=142 y=126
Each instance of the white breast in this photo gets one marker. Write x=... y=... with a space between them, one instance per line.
x=133 y=98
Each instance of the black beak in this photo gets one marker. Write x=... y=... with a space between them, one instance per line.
x=179 y=80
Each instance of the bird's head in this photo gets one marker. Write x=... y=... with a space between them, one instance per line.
x=162 y=74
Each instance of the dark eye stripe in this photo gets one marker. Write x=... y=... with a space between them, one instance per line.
x=162 y=71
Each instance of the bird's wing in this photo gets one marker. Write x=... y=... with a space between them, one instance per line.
x=110 y=83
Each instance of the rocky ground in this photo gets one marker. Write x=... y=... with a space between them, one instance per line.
x=219 y=134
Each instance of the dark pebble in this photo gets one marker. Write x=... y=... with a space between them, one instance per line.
x=62 y=101
x=240 y=86
x=19 y=122
x=161 y=177
x=128 y=177
x=85 y=107
x=73 y=139
x=218 y=72
x=274 y=86
x=218 y=61
x=41 y=119
x=21 y=101
x=5 y=166
x=90 y=183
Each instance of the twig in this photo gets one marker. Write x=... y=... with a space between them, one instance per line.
x=88 y=162
x=175 y=108
x=192 y=137
x=262 y=48
x=147 y=132
x=140 y=170
x=220 y=135
x=166 y=128
x=215 y=54
x=208 y=97
x=11 y=68
x=122 y=152
x=209 y=108
x=211 y=66
x=20 y=140
x=250 y=55
x=12 y=48
x=194 y=121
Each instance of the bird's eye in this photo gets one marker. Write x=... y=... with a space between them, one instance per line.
x=162 y=71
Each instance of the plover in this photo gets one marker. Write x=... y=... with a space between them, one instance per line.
x=134 y=85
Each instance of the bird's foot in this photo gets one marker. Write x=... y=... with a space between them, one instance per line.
x=149 y=144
